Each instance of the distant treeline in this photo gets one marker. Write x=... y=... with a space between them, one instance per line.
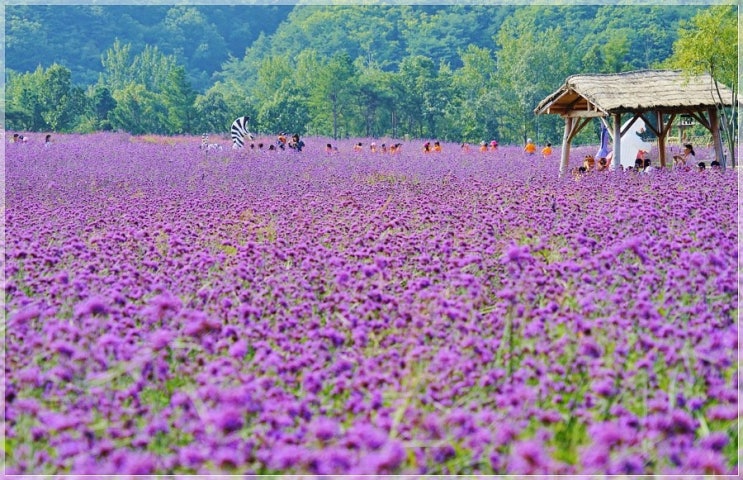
x=467 y=73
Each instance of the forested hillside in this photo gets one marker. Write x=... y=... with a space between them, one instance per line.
x=201 y=38
x=452 y=72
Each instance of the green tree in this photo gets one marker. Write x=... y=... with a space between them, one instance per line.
x=24 y=33
x=473 y=115
x=443 y=32
x=102 y=102
x=178 y=99
x=116 y=63
x=212 y=114
x=138 y=111
x=271 y=93
x=62 y=102
x=99 y=102
x=238 y=99
x=633 y=36
x=195 y=41
x=152 y=67
x=334 y=89
x=286 y=111
x=375 y=99
x=423 y=97
x=23 y=100
x=149 y=68
x=615 y=50
x=532 y=63
x=43 y=100
x=708 y=43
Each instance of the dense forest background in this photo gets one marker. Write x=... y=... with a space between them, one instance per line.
x=462 y=73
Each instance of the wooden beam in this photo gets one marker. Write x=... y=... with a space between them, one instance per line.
x=565 y=156
x=578 y=98
x=703 y=121
x=584 y=114
x=582 y=122
x=572 y=127
x=664 y=127
x=661 y=132
x=667 y=127
x=616 y=161
x=665 y=110
x=632 y=122
x=650 y=125
x=661 y=138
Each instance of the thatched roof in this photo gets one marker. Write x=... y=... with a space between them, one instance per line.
x=667 y=91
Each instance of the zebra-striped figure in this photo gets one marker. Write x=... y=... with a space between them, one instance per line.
x=205 y=145
x=239 y=131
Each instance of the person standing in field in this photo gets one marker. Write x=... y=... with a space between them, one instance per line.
x=281 y=142
x=296 y=143
x=530 y=148
x=547 y=150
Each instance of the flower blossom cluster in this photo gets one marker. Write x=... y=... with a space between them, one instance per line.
x=171 y=310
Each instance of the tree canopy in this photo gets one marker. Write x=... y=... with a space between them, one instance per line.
x=454 y=72
x=708 y=43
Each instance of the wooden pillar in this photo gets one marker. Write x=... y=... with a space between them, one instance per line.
x=616 y=162
x=714 y=127
x=662 y=131
x=565 y=156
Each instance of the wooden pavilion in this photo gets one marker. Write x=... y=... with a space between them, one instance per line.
x=658 y=94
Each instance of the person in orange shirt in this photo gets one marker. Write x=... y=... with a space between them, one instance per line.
x=436 y=147
x=530 y=148
x=483 y=147
x=547 y=150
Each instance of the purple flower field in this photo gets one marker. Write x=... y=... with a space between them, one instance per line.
x=171 y=310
